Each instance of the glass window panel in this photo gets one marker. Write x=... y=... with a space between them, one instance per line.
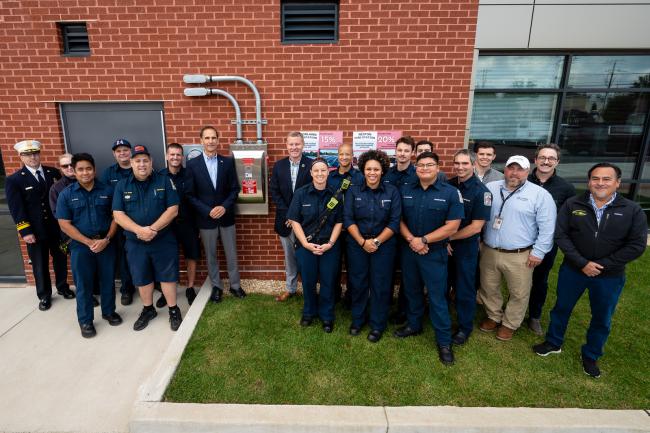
x=643 y=198
x=519 y=72
x=602 y=127
x=610 y=72
x=516 y=123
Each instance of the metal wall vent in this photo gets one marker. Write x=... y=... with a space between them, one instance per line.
x=310 y=22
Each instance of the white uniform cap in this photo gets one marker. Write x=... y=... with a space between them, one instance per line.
x=28 y=146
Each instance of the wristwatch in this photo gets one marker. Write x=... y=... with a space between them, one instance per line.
x=377 y=242
x=424 y=240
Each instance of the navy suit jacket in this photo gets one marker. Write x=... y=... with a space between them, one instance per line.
x=204 y=197
x=29 y=203
x=281 y=191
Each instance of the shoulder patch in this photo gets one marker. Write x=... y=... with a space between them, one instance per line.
x=579 y=212
x=487 y=198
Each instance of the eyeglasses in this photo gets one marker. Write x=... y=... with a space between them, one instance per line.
x=66 y=165
x=429 y=165
x=549 y=159
x=31 y=154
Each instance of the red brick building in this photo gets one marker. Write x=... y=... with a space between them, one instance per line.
x=396 y=66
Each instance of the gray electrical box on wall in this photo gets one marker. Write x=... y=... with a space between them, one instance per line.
x=252 y=174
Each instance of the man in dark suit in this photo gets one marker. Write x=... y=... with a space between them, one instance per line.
x=27 y=195
x=288 y=175
x=212 y=188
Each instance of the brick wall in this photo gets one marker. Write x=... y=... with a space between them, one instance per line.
x=398 y=65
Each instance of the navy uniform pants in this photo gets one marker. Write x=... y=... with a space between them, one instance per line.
x=428 y=270
x=314 y=269
x=39 y=254
x=88 y=267
x=370 y=278
x=603 y=297
x=462 y=277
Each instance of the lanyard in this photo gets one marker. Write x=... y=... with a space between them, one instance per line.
x=505 y=199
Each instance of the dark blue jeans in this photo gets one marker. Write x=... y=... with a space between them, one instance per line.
x=462 y=277
x=314 y=269
x=88 y=267
x=430 y=271
x=540 y=284
x=371 y=279
x=603 y=297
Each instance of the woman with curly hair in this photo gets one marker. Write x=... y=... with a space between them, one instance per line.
x=371 y=216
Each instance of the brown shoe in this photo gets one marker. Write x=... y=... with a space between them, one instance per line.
x=284 y=296
x=488 y=325
x=504 y=333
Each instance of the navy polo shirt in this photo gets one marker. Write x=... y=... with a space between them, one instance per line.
x=88 y=211
x=477 y=200
x=372 y=210
x=309 y=205
x=334 y=179
x=425 y=210
x=185 y=211
x=398 y=178
x=113 y=174
x=144 y=201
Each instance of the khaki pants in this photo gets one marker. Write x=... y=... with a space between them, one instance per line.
x=518 y=276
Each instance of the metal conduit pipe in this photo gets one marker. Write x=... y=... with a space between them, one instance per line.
x=200 y=91
x=200 y=79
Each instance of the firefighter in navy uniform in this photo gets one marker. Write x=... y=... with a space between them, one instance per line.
x=145 y=204
x=27 y=196
x=463 y=247
x=431 y=212
x=111 y=176
x=84 y=213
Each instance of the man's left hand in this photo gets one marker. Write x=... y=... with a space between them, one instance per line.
x=533 y=261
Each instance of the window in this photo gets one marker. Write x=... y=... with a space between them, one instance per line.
x=309 y=22
x=75 y=39
x=595 y=107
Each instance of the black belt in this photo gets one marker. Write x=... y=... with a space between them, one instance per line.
x=98 y=236
x=516 y=250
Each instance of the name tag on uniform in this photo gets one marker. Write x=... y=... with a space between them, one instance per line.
x=306 y=205
x=29 y=187
x=496 y=225
x=386 y=203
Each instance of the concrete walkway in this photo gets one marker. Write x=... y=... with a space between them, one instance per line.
x=53 y=380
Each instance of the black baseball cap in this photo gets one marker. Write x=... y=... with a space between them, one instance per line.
x=121 y=142
x=140 y=149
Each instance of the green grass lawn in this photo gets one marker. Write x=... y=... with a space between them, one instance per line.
x=254 y=351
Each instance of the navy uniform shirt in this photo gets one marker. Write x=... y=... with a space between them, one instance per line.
x=309 y=205
x=113 y=174
x=145 y=201
x=477 y=200
x=426 y=210
x=185 y=211
x=334 y=179
x=372 y=210
x=398 y=178
x=88 y=211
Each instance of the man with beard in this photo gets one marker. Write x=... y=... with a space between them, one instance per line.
x=515 y=240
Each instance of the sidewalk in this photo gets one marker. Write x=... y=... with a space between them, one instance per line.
x=53 y=380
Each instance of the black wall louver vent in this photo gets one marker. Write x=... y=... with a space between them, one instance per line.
x=310 y=22
x=75 y=39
